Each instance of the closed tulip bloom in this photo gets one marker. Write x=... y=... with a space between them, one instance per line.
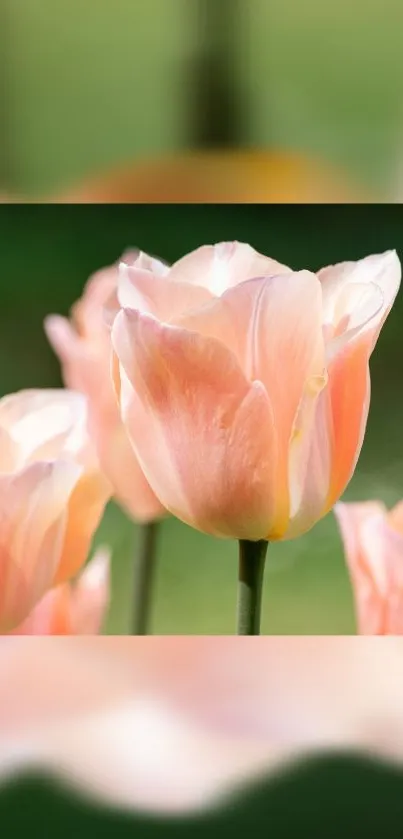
x=52 y=496
x=73 y=608
x=244 y=386
x=373 y=545
x=84 y=349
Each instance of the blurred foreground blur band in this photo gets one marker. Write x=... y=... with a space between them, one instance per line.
x=176 y=725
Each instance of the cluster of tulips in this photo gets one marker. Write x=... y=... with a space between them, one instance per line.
x=227 y=390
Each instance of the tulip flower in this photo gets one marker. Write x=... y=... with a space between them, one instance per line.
x=167 y=724
x=373 y=545
x=52 y=496
x=73 y=608
x=244 y=387
x=84 y=349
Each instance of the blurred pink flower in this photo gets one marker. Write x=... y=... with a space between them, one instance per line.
x=52 y=496
x=73 y=608
x=373 y=545
x=84 y=349
x=176 y=724
x=244 y=386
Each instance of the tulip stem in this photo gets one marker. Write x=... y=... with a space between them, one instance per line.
x=144 y=578
x=252 y=557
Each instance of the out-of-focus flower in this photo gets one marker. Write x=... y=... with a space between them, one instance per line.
x=175 y=724
x=84 y=349
x=52 y=496
x=73 y=608
x=244 y=386
x=373 y=544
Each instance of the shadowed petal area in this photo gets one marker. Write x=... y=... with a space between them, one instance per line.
x=207 y=441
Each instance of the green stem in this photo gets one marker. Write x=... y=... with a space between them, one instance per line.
x=144 y=578
x=252 y=557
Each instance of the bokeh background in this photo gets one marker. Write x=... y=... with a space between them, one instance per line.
x=335 y=795
x=46 y=255
x=86 y=89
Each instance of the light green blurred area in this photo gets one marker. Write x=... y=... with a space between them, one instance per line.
x=89 y=84
x=46 y=256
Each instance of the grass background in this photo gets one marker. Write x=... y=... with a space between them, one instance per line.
x=46 y=255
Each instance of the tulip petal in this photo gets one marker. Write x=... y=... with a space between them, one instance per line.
x=381 y=270
x=158 y=296
x=88 y=367
x=221 y=266
x=274 y=327
x=362 y=527
x=70 y=350
x=90 y=595
x=45 y=424
x=84 y=513
x=203 y=434
x=349 y=399
x=32 y=527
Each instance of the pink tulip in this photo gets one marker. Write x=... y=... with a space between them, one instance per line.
x=73 y=608
x=178 y=724
x=52 y=496
x=373 y=544
x=244 y=386
x=84 y=349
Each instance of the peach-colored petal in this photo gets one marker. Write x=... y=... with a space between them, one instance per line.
x=310 y=459
x=273 y=325
x=45 y=424
x=362 y=530
x=156 y=295
x=76 y=608
x=207 y=442
x=70 y=349
x=90 y=595
x=85 y=510
x=349 y=399
x=87 y=312
x=380 y=270
x=9 y=452
x=221 y=266
x=86 y=364
x=32 y=528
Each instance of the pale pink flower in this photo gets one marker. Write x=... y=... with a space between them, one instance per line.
x=77 y=607
x=52 y=496
x=84 y=349
x=373 y=545
x=244 y=386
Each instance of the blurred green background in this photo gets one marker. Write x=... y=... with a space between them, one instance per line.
x=46 y=256
x=330 y=796
x=84 y=86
